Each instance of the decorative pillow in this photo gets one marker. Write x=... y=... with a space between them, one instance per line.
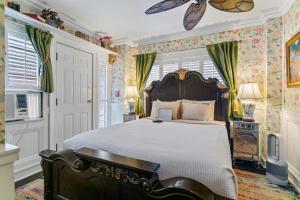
x=165 y=115
x=154 y=110
x=196 y=111
x=211 y=107
x=173 y=105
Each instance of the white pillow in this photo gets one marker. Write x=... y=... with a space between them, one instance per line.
x=154 y=110
x=196 y=111
x=173 y=105
x=211 y=107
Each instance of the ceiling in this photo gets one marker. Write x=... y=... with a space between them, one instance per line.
x=126 y=19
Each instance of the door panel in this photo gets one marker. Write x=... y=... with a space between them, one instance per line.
x=74 y=92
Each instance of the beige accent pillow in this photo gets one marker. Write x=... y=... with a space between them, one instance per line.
x=196 y=111
x=211 y=107
x=174 y=105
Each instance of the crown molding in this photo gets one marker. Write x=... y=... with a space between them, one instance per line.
x=209 y=29
x=125 y=41
x=213 y=28
x=38 y=6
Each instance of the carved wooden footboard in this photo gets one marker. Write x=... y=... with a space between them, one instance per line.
x=88 y=174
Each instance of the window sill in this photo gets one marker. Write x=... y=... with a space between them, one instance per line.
x=25 y=120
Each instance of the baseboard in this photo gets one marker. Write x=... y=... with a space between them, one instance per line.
x=27 y=167
x=28 y=179
x=294 y=181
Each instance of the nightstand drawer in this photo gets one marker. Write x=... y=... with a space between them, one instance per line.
x=244 y=126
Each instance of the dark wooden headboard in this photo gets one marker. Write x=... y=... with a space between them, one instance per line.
x=190 y=85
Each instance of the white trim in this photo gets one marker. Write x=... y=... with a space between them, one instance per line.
x=210 y=29
x=291 y=117
x=19 y=16
x=39 y=6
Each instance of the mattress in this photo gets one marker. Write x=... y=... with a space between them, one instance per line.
x=191 y=149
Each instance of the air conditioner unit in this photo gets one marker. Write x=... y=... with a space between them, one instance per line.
x=16 y=107
x=277 y=167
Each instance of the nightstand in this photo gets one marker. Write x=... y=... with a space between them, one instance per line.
x=246 y=140
x=128 y=117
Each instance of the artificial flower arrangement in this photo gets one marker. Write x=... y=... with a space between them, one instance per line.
x=105 y=41
x=52 y=19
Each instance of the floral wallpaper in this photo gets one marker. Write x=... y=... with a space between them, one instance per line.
x=252 y=57
x=2 y=75
x=274 y=28
x=292 y=27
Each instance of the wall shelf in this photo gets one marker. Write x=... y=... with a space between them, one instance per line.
x=30 y=21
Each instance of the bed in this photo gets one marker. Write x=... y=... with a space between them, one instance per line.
x=145 y=160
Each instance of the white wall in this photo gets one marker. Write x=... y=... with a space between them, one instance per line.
x=291 y=132
x=32 y=137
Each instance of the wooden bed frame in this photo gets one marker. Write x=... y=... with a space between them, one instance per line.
x=95 y=174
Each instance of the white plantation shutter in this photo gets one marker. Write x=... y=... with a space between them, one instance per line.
x=22 y=62
x=192 y=60
x=192 y=65
x=103 y=97
x=154 y=75
x=210 y=71
x=169 y=68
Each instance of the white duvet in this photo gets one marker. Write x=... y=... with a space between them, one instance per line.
x=199 y=151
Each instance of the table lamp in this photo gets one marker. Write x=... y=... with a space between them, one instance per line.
x=131 y=94
x=249 y=92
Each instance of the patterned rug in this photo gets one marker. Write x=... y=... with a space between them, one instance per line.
x=251 y=187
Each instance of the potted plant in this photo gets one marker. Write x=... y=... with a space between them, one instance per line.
x=52 y=19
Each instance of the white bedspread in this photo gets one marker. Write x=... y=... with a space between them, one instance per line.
x=199 y=151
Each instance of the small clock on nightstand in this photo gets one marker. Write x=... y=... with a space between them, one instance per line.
x=131 y=117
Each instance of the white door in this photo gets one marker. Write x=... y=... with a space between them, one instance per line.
x=74 y=86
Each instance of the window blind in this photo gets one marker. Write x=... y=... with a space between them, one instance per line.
x=154 y=74
x=169 y=67
x=192 y=65
x=22 y=62
x=192 y=60
x=210 y=71
x=103 y=100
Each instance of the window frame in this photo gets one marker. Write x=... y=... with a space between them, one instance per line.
x=19 y=28
x=181 y=57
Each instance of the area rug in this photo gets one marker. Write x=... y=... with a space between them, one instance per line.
x=252 y=186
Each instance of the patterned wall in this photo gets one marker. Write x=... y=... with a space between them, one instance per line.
x=2 y=74
x=252 y=56
x=292 y=27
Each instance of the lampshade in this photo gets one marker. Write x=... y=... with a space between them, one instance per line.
x=249 y=91
x=131 y=92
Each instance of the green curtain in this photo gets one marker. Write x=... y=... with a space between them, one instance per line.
x=144 y=64
x=41 y=42
x=225 y=58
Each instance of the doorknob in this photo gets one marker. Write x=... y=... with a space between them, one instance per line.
x=90 y=101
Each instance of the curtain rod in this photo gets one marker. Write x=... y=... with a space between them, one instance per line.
x=187 y=49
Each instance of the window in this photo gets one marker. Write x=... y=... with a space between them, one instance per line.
x=103 y=97
x=22 y=68
x=210 y=71
x=22 y=61
x=154 y=74
x=193 y=60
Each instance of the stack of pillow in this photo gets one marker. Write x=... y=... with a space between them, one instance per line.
x=184 y=109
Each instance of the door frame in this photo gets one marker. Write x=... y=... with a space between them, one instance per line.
x=99 y=56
